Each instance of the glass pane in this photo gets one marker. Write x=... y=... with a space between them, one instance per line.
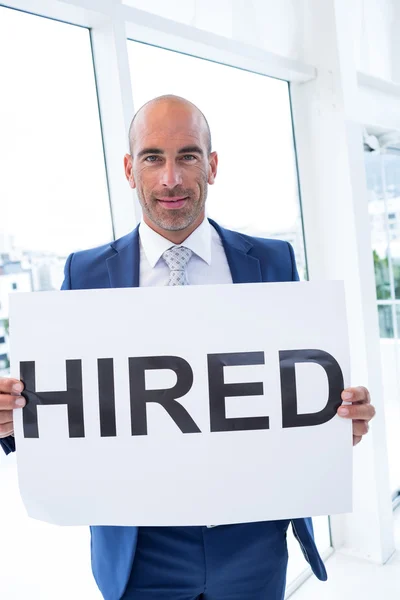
x=391 y=164
x=53 y=185
x=382 y=281
x=383 y=182
x=54 y=200
x=385 y=321
x=397 y=307
x=257 y=141
x=378 y=222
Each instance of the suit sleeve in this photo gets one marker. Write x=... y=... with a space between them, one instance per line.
x=8 y=443
x=67 y=283
x=295 y=274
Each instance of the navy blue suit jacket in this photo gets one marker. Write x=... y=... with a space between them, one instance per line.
x=117 y=265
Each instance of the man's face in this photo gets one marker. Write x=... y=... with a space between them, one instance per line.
x=170 y=166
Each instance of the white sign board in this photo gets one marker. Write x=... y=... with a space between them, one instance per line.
x=182 y=405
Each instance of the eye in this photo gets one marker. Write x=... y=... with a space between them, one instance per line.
x=189 y=157
x=149 y=158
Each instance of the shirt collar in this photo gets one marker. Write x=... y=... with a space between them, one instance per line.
x=154 y=245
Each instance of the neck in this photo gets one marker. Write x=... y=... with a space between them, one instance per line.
x=176 y=237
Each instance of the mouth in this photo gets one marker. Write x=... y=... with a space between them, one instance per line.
x=173 y=202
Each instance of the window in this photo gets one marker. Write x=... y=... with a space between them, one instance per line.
x=382 y=168
x=256 y=190
x=383 y=180
x=385 y=314
x=53 y=172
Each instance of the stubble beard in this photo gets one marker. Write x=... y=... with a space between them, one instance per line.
x=170 y=219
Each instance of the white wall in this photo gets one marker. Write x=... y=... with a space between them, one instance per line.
x=379 y=107
x=375 y=41
x=279 y=26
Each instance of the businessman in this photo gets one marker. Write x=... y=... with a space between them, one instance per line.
x=171 y=164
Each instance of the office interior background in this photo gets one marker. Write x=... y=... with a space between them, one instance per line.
x=303 y=100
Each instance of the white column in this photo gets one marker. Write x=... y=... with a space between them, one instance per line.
x=109 y=42
x=337 y=232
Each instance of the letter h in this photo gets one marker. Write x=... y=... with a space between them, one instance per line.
x=73 y=398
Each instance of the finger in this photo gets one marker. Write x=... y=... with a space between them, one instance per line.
x=6 y=429
x=362 y=412
x=360 y=428
x=8 y=402
x=356 y=394
x=11 y=386
x=6 y=416
x=356 y=439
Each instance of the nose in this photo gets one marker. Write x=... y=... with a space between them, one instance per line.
x=170 y=175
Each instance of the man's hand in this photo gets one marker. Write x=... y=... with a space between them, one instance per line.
x=360 y=412
x=10 y=390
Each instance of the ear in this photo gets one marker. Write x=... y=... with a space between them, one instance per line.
x=129 y=171
x=213 y=166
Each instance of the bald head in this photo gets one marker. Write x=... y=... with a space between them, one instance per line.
x=171 y=165
x=166 y=107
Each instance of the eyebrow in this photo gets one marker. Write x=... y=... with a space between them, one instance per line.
x=184 y=150
x=149 y=151
x=191 y=149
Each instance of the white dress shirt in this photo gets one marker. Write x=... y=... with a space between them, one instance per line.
x=207 y=265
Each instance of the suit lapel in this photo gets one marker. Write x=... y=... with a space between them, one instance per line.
x=123 y=266
x=244 y=268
